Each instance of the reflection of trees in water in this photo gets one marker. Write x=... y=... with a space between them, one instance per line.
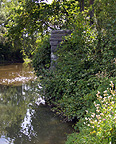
x=44 y=128
x=14 y=102
x=25 y=122
x=16 y=74
x=49 y=128
x=10 y=107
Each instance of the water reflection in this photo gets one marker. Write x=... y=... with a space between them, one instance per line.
x=14 y=102
x=16 y=74
x=22 y=121
x=25 y=119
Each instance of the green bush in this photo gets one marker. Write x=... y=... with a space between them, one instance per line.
x=71 y=87
x=86 y=60
x=42 y=55
x=86 y=64
x=98 y=126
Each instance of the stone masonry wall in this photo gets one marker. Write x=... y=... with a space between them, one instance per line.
x=57 y=36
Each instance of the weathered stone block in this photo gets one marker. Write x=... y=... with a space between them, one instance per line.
x=53 y=49
x=53 y=56
x=61 y=32
x=54 y=43
x=57 y=36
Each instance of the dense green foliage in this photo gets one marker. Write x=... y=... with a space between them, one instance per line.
x=99 y=126
x=86 y=59
x=8 y=52
x=42 y=56
x=86 y=64
x=29 y=20
x=79 y=73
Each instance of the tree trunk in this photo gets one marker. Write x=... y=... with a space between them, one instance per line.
x=91 y=2
x=81 y=5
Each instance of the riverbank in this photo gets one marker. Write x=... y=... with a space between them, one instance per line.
x=72 y=86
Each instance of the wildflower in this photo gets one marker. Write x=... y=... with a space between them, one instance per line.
x=97 y=116
x=100 y=97
x=97 y=110
x=109 y=97
x=99 y=133
x=86 y=111
x=112 y=85
x=98 y=92
x=91 y=122
x=98 y=105
x=95 y=121
x=115 y=116
x=86 y=118
x=111 y=129
x=104 y=111
x=105 y=94
x=93 y=115
x=112 y=102
x=111 y=82
x=101 y=114
x=94 y=102
x=111 y=107
x=105 y=91
x=99 y=121
x=109 y=116
x=93 y=132
x=88 y=124
x=104 y=98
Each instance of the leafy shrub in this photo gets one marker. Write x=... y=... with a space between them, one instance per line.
x=78 y=74
x=99 y=126
x=86 y=63
x=42 y=56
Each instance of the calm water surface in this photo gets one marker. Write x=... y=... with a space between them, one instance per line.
x=24 y=117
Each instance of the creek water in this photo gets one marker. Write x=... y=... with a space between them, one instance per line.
x=24 y=117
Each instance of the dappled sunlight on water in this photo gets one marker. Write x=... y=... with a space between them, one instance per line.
x=24 y=117
x=16 y=74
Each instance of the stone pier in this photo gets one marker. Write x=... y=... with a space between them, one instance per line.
x=57 y=36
